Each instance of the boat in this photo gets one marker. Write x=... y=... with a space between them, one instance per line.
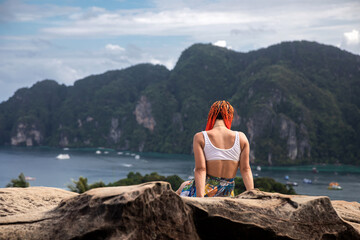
x=66 y=149
x=334 y=186
x=292 y=184
x=314 y=170
x=137 y=156
x=63 y=156
x=258 y=168
x=255 y=175
x=286 y=177
x=307 y=181
x=30 y=178
x=106 y=152
x=98 y=152
x=120 y=153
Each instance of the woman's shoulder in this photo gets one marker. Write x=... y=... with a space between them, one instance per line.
x=241 y=134
x=242 y=137
x=199 y=139
x=198 y=136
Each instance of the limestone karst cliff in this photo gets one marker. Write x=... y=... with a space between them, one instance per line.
x=298 y=103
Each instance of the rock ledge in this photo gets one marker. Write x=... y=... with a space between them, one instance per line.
x=154 y=211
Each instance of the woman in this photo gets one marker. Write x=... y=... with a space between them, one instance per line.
x=218 y=152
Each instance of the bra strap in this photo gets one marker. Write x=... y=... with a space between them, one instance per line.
x=206 y=137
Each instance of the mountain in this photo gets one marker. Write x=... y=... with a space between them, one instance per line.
x=297 y=102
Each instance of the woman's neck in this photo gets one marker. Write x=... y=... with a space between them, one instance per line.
x=219 y=123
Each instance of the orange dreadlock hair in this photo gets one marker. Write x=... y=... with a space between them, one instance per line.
x=220 y=107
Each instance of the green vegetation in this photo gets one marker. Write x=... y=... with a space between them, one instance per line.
x=263 y=184
x=298 y=103
x=81 y=185
x=19 y=182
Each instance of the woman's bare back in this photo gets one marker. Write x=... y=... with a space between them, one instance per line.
x=222 y=138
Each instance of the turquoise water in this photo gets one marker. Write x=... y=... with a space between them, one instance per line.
x=42 y=164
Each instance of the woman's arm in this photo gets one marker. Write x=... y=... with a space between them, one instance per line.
x=245 y=169
x=200 y=164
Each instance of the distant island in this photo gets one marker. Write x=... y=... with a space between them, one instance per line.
x=297 y=102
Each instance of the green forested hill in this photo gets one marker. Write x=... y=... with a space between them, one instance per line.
x=298 y=102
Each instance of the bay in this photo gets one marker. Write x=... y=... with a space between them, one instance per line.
x=109 y=166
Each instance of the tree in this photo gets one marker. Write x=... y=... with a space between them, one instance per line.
x=19 y=182
x=81 y=186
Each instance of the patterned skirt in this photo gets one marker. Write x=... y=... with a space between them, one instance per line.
x=214 y=187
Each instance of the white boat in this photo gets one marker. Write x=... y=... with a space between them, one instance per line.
x=292 y=184
x=137 y=156
x=106 y=152
x=30 y=178
x=258 y=168
x=66 y=149
x=98 y=152
x=334 y=186
x=306 y=180
x=63 y=156
x=133 y=154
x=120 y=153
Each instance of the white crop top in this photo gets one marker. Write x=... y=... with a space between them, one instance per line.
x=214 y=153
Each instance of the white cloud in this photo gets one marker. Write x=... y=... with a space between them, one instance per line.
x=114 y=47
x=167 y=22
x=352 y=38
x=220 y=43
x=66 y=67
x=18 y=11
x=244 y=25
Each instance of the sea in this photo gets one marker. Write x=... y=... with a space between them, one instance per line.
x=43 y=167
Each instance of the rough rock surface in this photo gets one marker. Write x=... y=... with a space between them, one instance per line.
x=154 y=211
x=22 y=202
x=147 y=211
x=349 y=211
x=28 y=134
x=144 y=115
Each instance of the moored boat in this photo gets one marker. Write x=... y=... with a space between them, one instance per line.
x=63 y=156
x=334 y=186
x=292 y=184
x=306 y=180
x=27 y=178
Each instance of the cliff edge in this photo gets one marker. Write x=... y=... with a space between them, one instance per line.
x=154 y=211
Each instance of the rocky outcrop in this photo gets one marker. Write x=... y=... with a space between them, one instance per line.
x=64 y=141
x=288 y=131
x=143 y=114
x=115 y=132
x=26 y=134
x=349 y=211
x=19 y=205
x=154 y=211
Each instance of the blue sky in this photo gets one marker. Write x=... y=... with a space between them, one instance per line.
x=71 y=39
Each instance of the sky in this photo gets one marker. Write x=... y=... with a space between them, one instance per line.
x=66 y=40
